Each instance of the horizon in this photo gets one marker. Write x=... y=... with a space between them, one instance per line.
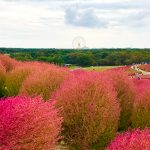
x=103 y=48
x=109 y=24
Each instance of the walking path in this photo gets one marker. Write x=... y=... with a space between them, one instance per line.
x=136 y=68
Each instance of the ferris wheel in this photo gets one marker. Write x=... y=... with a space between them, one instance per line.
x=78 y=43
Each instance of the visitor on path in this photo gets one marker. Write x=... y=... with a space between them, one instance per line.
x=138 y=76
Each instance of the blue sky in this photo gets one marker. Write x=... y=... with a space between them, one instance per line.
x=55 y=23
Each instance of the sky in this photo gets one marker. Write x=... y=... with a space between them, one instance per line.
x=56 y=23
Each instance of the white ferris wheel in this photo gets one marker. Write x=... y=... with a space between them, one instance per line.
x=78 y=43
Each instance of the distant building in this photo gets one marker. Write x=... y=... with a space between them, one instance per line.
x=67 y=65
x=85 y=47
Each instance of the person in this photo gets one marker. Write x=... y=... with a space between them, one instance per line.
x=138 y=76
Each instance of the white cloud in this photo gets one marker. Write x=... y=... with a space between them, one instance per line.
x=84 y=18
x=110 y=13
x=54 y=23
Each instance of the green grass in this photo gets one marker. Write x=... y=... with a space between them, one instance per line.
x=97 y=68
x=73 y=67
x=100 y=68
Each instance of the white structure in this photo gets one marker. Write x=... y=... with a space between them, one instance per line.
x=79 y=43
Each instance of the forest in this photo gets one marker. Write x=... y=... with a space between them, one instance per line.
x=84 y=58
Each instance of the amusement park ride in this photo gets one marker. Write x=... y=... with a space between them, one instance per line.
x=79 y=43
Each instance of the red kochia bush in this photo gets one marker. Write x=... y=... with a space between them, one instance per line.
x=134 y=140
x=8 y=62
x=125 y=89
x=141 y=111
x=29 y=124
x=44 y=81
x=90 y=110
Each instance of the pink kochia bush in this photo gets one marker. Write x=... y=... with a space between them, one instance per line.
x=2 y=79
x=132 y=140
x=8 y=63
x=44 y=81
x=125 y=89
x=145 y=67
x=141 y=111
x=28 y=124
x=90 y=110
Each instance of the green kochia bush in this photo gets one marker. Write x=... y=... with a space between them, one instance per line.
x=15 y=79
x=28 y=124
x=90 y=111
x=125 y=89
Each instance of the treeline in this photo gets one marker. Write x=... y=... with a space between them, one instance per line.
x=89 y=57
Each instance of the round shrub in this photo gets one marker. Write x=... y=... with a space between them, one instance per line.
x=15 y=79
x=29 y=124
x=2 y=79
x=126 y=92
x=132 y=140
x=8 y=62
x=90 y=110
x=141 y=85
x=141 y=111
x=44 y=82
x=145 y=67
